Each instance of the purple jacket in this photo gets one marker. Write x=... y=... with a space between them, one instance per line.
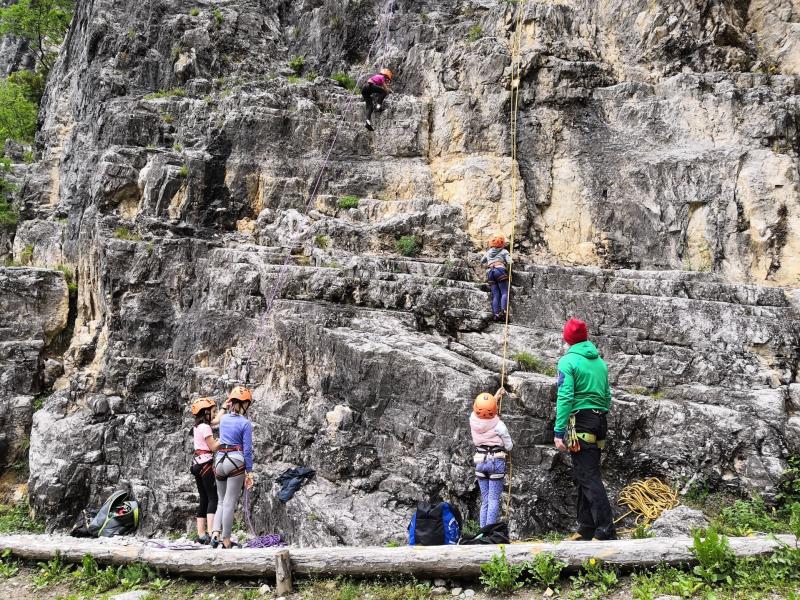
x=378 y=80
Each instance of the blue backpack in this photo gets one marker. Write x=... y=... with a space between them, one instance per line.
x=434 y=525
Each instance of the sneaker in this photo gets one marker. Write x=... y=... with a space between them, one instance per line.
x=369 y=125
x=204 y=539
x=214 y=541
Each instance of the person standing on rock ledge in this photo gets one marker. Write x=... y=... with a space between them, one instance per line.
x=377 y=87
x=584 y=397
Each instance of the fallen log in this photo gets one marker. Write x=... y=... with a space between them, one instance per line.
x=430 y=561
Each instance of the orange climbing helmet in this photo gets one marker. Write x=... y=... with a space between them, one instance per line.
x=202 y=404
x=242 y=394
x=387 y=73
x=485 y=406
x=497 y=241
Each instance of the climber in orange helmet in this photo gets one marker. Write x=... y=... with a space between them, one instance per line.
x=492 y=443
x=377 y=87
x=498 y=261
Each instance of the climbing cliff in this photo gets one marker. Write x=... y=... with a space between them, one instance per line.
x=190 y=166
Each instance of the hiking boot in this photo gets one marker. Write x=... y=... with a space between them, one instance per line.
x=369 y=125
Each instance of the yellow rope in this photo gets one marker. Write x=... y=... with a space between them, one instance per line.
x=647 y=499
x=516 y=67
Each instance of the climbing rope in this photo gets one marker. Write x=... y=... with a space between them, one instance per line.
x=383 y=28
x=647 y=499
x=516 y=68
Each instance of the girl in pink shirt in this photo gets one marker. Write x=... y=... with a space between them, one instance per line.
x=204 y=411
x=374 y=93
x=492 y=442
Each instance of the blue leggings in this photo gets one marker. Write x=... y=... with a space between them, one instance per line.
x=491 y=490
x=498 y=282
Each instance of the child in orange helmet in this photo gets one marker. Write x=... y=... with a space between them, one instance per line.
x=204 y=411
x=498 y=261
x=377 y=86
x=492 y=442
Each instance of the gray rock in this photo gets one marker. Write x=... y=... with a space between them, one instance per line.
x=439 y=591
x=439 y=583
x=133 y=595
x=456 y=591
x=678 y=521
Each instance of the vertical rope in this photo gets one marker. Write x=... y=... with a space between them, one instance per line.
x=516 y=70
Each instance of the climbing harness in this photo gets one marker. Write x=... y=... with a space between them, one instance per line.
x=647 y=499
x=516 y=68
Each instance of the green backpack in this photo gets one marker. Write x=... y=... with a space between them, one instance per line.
x=117 y=516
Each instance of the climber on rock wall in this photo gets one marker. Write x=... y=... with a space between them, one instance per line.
x=374 y=93
x=204 y=411
x=498 y=261
x=492 y=442
x=233 y=464
x=584 y=397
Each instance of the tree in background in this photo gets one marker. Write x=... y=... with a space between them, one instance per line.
x=17 y=113
x=42 y=22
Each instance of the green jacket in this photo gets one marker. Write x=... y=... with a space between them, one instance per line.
x=582 y=383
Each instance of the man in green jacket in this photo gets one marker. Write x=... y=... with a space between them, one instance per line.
x=585 y=395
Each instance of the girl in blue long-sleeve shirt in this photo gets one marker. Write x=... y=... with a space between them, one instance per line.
x=233 y=463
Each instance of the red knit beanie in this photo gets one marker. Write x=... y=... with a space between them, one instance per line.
x=575 y=332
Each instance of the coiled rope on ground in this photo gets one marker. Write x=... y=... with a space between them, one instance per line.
x=647 y=499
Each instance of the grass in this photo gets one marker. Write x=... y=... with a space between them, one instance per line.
x=344 y=80
x=322 y=241
x=293 y=79
x=183 y=171
x=408 y=245
x=124 y=233
x=475 y=33
x=16 y=518
x=167 y=118
x=347 y=589
x=171 y=93
x=219 y=18
x=177 y=147
x=311 y=75
x=297 y=64
x=534 y=364
x=348 y=202
x=26 y=256
x=194 y=12
x=69 y=277
x=8 y=216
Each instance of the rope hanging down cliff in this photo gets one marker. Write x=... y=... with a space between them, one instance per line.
x=516 y=68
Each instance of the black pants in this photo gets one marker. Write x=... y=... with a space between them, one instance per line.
x=207 y=487
x=370 y=90
x=595 y=518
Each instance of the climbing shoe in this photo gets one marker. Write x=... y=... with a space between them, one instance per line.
x=214 y=540
x=204 y=539
x=233 y=545
x=369 y=125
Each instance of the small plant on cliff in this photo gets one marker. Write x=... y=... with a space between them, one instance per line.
x=641 y=532
x=322 y=241
x=219 y=18
x=348 y=202
x=529 y=362
x=183 y=171
x=408 y=245
x=194 y=12
x=172 y=93
x=475 y=33
x=124 y=233
x=26 y=255
x=499 y=575
x=297 y=64
x=69 y=277
x=8 y=216
x=344 y=80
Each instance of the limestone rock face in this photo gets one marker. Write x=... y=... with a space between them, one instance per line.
x=229 y=219
x=33 y=312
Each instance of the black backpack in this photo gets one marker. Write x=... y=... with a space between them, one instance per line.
x=117 y=516
x=434 y=525
x=491 y=534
